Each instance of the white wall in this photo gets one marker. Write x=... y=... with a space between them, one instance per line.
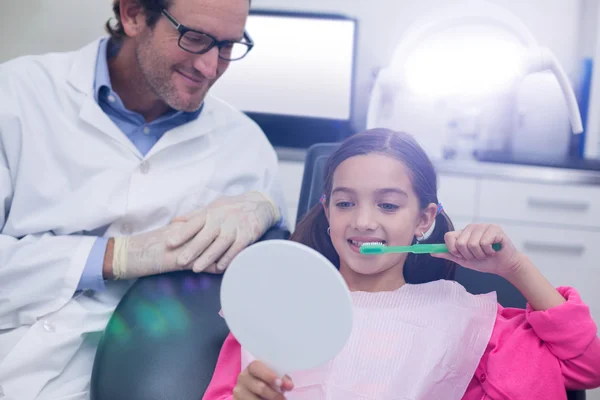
x=40 y=26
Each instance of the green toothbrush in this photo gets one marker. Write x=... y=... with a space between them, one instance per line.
x=378 y=248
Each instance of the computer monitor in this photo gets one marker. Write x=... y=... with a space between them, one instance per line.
x=297 y=82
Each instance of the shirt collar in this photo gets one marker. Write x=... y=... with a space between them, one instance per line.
x=102 y=78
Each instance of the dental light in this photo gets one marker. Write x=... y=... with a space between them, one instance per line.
x=471 y=51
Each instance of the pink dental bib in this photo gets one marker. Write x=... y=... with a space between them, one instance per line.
x=419 y=342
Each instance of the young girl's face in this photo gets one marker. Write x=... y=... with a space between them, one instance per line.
x=372 y=200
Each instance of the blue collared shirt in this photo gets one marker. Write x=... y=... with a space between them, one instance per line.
x=133 y=125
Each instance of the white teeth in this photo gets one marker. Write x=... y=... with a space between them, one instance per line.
x=358 y=244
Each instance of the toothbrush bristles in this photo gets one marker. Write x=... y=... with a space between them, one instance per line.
x=372 y=244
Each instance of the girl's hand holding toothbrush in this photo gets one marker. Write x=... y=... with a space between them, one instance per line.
x=471 y=248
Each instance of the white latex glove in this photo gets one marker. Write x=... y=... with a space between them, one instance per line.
x=146 y=254
x=217 y=233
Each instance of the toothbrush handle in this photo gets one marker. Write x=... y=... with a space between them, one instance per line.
x=431 y=248
x=442 y=248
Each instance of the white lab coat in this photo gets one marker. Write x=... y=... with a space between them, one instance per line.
x=67 y=174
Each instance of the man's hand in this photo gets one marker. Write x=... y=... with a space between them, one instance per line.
x=205 y=240
x=145 y=254
x=210 y=238
x=132 y=257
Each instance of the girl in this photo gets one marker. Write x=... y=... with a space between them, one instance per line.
x=417 y=335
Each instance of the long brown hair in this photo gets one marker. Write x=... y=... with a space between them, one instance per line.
x=418 y=268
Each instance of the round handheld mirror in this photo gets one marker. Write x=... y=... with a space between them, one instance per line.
x=287 y=305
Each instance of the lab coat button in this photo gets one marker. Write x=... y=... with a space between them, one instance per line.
x=145 y=167
x=49 y=327
x=482 y=378
x=111 y=98
x=146 y=130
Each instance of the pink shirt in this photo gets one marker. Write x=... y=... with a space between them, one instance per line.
x=531 y=355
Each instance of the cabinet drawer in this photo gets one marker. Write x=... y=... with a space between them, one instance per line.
x=460 y=222
x=565 y=257
x=552 y=204
x=458 y=195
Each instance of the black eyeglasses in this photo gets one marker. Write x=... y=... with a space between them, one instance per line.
x=197 y=42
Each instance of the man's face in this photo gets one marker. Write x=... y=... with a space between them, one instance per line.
x=179 y=78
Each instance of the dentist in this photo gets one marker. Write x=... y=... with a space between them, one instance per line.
x=116 y=163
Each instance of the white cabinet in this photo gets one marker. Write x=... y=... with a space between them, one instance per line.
x=458 y=195
x=565 y=205
x=557 y=226
x=460 y=222
x=566 y=257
